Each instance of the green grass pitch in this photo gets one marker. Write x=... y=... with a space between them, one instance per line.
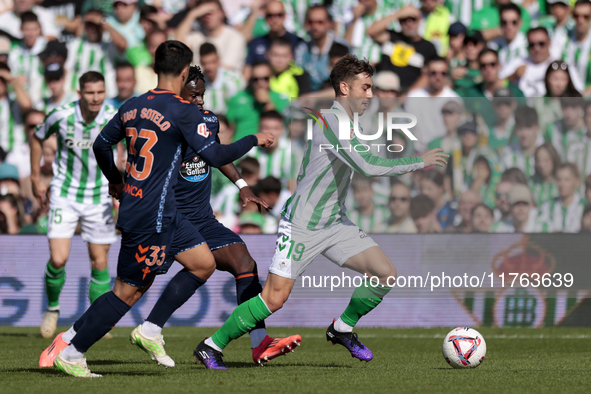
x=552 y=360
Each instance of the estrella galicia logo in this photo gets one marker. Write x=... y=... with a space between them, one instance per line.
x=194 y=169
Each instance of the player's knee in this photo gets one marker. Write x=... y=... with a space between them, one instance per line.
x=99 y=263
x=58 y=261
x=244 y=263
x=275 y=300
x=385 y=271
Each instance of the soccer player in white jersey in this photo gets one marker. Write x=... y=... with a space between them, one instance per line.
x=314 y=222
x=79 y=190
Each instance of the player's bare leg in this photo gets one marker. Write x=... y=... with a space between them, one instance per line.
x=55 y=278
x=236 y=260
x=373 y=263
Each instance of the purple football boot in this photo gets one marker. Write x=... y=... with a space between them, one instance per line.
x=208 y=356
x=350 y=341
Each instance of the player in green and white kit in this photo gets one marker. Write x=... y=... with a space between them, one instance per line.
x=79 y=190
x=314 y=221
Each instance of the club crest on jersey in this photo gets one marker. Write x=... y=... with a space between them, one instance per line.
x=202 y=130
x=194 y=169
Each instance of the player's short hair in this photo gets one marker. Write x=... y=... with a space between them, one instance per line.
x=29 y=16
x=346 y=69
x=510 y=7
x=195 y=74
x=514 y=175
x=525 y=117
x=172 y=57
x=338 y=50
x=249 y=166
x=572 y=167
x=269 y=184
x=434 y=176
x=486 y=51
x=421 y=206
x=90 y=77
x=281 y=42
x=272 y=114
x=207 y=49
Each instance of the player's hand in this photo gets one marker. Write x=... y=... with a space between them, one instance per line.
x=265 y=139
x=435 y=157
x=246 y=196
x=40 y=192
x=115 y=191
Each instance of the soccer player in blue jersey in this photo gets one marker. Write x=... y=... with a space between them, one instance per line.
x=158 y=126
x=192 y=192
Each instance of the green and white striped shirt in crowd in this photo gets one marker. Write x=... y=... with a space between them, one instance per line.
x=577 y=55
x=12 y=133
x=86 y=56
x=513 y=156
x=510 y=51
x=296 y=14
x=462 y=10
x=325 y=174
x=47 y=105
x=76 y=173
x=563 y=139
x=542 y=191
x=374 y=223
x=225 y=86
x=227 y=201
x=580 y=154
x=278 y=163
x=25 y=61
x=563 y=219
x=363 y=46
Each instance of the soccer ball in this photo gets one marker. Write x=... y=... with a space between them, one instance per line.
x=464 y=347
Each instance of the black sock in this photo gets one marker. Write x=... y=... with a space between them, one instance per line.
x=82 y=318
x=107 y=312
x=177 y=292
x=247 y=287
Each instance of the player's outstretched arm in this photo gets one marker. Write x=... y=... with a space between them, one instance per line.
x=435 y=157
x=218 y=155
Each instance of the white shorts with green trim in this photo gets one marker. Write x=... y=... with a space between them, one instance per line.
x=296 y=247
x=96 y=220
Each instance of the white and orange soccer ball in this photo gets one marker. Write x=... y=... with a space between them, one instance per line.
x=464 y=347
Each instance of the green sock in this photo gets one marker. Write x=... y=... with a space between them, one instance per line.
x=241 y=321
x=100 y=283
x=54 y=282
x=364 y=299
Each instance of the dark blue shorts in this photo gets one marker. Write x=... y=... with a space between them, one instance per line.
x=213 y=232
x=142 y=256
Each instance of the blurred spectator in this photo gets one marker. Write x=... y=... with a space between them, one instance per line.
x=11 y=20
x=145 y=75
x=523 y=213
x=452 y=117
x=10 y=219
x=543 y=183
x=246 y=107
x=529 y=73
x=588 y=188
x=24 y=58
x=225 y=133
x=221 y=84
x=435 y=24
x=229 y=42
x=66 y=14
x=501 y=132
x=563 y=214
x=514 y=175
x=586 y=220
x=125 y=80
x=92 y=52
x=578 y=45
x=270 y=190
x=468 y=200
x=251 y=223
x=55 y=79
x=276 y=159
x=426 y=103
x=11 y=110
x=431 y=185
x=580 y=152
x=571 y=129
x=404 y=53
x=455 y=54
x=5 y=48
x=126 y=21
x=512 y=44
x=559 y=24
x=20 y=155
x=463 y=10
x=488 y=19
x=527 y=130
x=365 y=13
x=482 y=219
x=288 y=78
x=313 y=55
x=275 y=18
x=54 y=52
x=367 y=215
x=422 y=211
x=400 y=221
x=466 y=74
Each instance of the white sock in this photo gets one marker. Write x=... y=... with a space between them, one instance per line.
x=69 y=335
x=209 y=342
x=70 y=353
x=256 y=336
x=53 y=308
x=150 y=329
x=341 y=326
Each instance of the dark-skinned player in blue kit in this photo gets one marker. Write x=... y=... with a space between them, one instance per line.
x=193 y=191
x=158 y=126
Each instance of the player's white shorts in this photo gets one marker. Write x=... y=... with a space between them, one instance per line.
x=97 y=222
x=297 y=247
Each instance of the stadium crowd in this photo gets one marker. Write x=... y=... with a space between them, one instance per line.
x=500 y=86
